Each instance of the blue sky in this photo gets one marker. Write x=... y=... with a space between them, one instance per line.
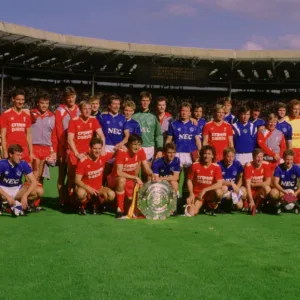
x=222 y=24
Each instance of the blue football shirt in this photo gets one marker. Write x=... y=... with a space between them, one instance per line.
x=288 y=177
x=162 y=168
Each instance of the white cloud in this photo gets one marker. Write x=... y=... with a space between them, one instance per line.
x=288 y=41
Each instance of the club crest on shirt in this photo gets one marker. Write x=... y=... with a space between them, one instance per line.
x=12 y=118
x=6 y=172
x=225 y=128
x=282 y=176
x=24 y=119
x=284 y=129
x=90 y=125
x=78 y=126
x=245 y=130
x=19 y=173
x=223 y=173
x=107 y=122
x=234 y=173
x=211 y=172
x=191 y=129
x=179 y=129
x=126 y=158
x=293 y=176
x=261 y=171
x=88 y=166
x=120 y=123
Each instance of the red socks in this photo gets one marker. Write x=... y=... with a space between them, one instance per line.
x=120 y=201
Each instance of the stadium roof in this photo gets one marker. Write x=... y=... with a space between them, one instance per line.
x=27 y=50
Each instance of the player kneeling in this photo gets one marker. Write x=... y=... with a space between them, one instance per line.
x=125 y=171
x=12 y=191
x=88 y=179
x=286 y=192
x=232 y=171
x=204 y=183
x=257 y=176
x=167 y=167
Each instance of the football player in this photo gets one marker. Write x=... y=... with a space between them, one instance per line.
x=272 y=142
x=285 y=181
x=12 y=170
x=95 y=105
x=125 y=171
x=232 y=171
x=227 y=104
x=164 y=117
x=218 y=133
x=204 y=183
x=283 y=125
x=245 y=136
x=185 y=135
x=151 y=130
x=129 y=109
x=257 y=175
x=16 y=127
x=255 y=113
x=88 y=179
x=293 y=119
x=198 y=111
x=80 y=132
x=63 y=114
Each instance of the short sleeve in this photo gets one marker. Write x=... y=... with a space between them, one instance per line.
x=177 y=165
x=96 y=124
x=205 y=130
x=71 y=127
x=142 y=155
x=230 y=131
x=218 y=173
x=26 y=168
x=277 y=172
x=120 y=157
x=126 y=126
x=155 y=166
x=170 y=130
x=289 y=133
x=247 y=172
x=191 y=172
x=80 y=168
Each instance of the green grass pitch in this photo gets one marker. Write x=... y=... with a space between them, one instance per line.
x=49 y=255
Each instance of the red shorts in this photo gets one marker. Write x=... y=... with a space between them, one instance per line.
x=297 y=155
x=41 y=152
x=129 y=185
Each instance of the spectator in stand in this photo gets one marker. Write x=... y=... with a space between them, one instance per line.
x=294 y=120
x=244 y=138
x=283 y=125
x=272 y=142
x=255 y=113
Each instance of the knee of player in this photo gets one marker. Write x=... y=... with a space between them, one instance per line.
x=80 y=193
x=39 y=191
x=111 y=195
x=267 y=189
x=121 y=181
x=219 y=193
x=274 y=193
x=239 y=205
x=243 y=191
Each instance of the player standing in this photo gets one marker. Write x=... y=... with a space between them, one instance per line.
x=257 y=175
x=198 y=111
x=283 y=125
x=255 y=113
x=151 y=130
x=12 y=169
x=245 y=136
x=164 y=117
x=272 y=142
x=80 y=132
x=125 y=171
x=285 y=181
x=185 y=135
x=132 y=125
x=232 y=171
x=44 y=138
x=89 y=177
x=294 y=120
x=204 y=183
x=16 y=127
x=218 y=133
x=227 y=104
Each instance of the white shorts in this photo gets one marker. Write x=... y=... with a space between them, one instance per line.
x=185 y=159
x=244 y=158
x=149 y=153
x=11 y=191
x=110 y=149
x=235 y=197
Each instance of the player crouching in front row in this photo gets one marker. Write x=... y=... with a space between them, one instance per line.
x=12 y=191
x=125 y=172
x=204 y=183
x=233 y=191
x=285 y=192
x=88 y=179
x=257 y=175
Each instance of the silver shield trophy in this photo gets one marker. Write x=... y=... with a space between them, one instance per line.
x=156 y=200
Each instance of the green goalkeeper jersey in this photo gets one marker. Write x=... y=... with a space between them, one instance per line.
x=150 y=128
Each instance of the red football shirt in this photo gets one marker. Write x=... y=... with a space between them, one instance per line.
x=218 y=135
x=130 y=163
x=92 y=171
x=203 y=176
x=83 y=132
x=257 y=175
x=16 y=125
